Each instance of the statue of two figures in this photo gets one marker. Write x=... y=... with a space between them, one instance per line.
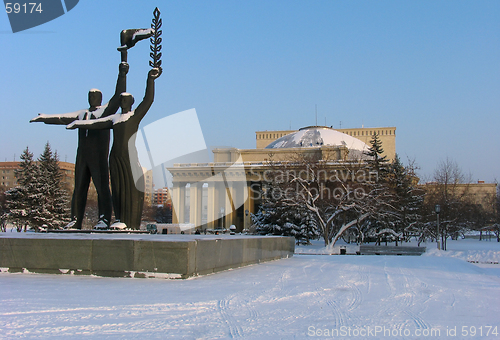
x=94 y=125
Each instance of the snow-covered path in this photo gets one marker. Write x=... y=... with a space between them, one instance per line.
x=292 y=298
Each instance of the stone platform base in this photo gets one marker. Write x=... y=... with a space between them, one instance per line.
x=164 y=256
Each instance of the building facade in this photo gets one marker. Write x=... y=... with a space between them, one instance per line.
x=9 y=178
x=387 y=136
x=480 y=193
x=226 y=192
x=161 y=197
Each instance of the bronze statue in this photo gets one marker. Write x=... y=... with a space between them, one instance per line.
x=92 y=153
x=93 y=141
x=128 y=195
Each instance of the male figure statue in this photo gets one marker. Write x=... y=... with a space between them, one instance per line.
x=92 y=153
x=124 y=162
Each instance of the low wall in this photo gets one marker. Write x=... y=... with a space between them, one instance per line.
x=138 y=255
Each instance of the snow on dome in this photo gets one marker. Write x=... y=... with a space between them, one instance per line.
x=315 y=136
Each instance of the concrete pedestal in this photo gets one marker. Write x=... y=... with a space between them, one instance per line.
x=170 y=256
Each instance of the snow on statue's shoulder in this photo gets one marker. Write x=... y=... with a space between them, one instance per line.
x=98 y=112
x=122 y=118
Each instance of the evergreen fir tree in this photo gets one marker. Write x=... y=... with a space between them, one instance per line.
x=381 y=220
x=53 y=209
x=42 y=214
x=62 y=201
x=39 y=198
x=23 y=199
x=408 y=199
x=376 y=161
x=3 y=210
x=276 y=218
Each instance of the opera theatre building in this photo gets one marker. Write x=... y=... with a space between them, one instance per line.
x=224 y=193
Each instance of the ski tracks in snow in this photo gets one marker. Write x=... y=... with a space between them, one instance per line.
x=340 y=291
x=405 y=295
x=240 y=308
x=235 y=330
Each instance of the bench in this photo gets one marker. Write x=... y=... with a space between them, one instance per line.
x=391 y=250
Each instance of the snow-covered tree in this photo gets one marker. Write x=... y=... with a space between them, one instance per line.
x=54 y=202
x=40 y=197
x=496 y=215
x=3 y=210
x=277 y=218
x=408 y=199
x=350 y=198
x=336 y=199
x=22 y=199
x=383 y=221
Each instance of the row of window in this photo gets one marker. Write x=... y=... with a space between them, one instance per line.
x=270 y=135
x=371 y=133
x=351 y=133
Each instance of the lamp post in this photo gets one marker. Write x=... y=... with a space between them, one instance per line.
x=437 y=209
x=221 y=218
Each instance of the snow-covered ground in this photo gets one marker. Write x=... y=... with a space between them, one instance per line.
x=469 y=249
x=354 y=297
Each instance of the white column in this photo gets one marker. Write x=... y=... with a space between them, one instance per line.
x=249 y=206
x=175 y=196
x=212 y=204
x=229 y=204
x=178 y=202
x=195 y=200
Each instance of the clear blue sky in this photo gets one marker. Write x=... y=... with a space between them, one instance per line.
x=430 y=68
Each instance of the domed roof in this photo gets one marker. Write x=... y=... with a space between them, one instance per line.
x=315 y=136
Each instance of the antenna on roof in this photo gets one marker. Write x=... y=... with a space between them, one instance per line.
x=316 y=114
x=340 y=124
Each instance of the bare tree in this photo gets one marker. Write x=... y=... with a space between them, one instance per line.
x=352 y=198
x=451 y=190
x=496 y=215
x=337 y=195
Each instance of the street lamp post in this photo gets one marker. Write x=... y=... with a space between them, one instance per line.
x=246 y=224
x=437 y=209
x=221 y=218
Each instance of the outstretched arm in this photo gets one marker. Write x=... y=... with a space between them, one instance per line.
x=149 y=96
x=95 y=124
x=58 y=119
